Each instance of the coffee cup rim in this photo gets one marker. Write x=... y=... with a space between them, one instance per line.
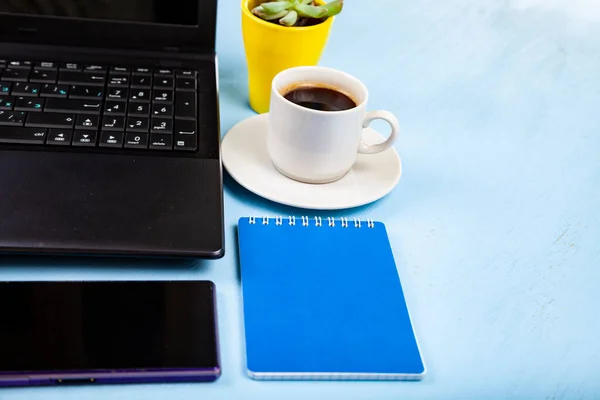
x=346 y=75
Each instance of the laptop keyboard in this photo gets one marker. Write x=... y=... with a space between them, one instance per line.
x=69 y=104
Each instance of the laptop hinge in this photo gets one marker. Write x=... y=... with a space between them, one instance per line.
x=189 y=50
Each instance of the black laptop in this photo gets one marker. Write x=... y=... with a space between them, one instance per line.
x=109 y=128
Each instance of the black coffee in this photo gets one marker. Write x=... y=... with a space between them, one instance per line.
x=320 y=98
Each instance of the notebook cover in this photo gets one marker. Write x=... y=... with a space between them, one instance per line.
x=322 y=299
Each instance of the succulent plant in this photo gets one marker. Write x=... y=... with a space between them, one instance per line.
x=297 y=12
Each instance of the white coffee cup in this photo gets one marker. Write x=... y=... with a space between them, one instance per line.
x=315 y=146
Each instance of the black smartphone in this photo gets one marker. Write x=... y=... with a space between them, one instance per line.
x=107 y=332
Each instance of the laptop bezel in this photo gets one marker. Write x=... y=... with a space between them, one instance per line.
x=35 y=29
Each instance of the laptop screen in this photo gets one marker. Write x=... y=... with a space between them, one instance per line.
x=175 y=12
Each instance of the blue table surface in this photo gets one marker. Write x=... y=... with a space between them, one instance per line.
x=495 y=223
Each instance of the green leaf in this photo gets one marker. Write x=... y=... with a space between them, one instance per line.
x=305 y=1
x=271 y=17
x=260 y=13
x=290 y=19
x=333 y=8
x=311 y=11
x=276 y=6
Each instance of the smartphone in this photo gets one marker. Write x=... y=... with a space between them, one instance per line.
x=54 y=333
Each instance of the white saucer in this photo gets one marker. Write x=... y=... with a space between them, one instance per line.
x=245 y=157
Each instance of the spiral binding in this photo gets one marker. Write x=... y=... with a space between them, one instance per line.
x=316 y=221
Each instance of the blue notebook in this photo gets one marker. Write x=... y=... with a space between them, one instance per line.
x=322 y=299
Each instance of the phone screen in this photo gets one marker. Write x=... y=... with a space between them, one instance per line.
x=57 y=326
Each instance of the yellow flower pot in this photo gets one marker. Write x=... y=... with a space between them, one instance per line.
x=271 y=48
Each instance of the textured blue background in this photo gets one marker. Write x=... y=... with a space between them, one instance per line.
x=495 y=223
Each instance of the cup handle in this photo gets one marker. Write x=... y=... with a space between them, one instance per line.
x=394 y=124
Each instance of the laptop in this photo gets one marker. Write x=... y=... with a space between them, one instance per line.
x=109 y=128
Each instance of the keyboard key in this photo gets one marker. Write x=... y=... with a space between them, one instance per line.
x=140 y=96
x=110 y=123
x=141 y=81
x=3 y=63
x=162 y=110
x=50 y=120
x=116 y=93
x=162 y=125
x=54 y=91
x=46 y=65
x=29 y=104
x=20 y=64
x=43 y=76
x=163 y=82
x=115 y=108
x=74 y=106
x=118 y=80
x=76 y=77
x=88 y=122
x=13 y=118
x=86 y=92
x=142 y=71
x=138 y=124
x=70 y=67
x=185 y=73
x=186 y=84
x=163 y=72
x=120 y=69
x=59 y=137
x=185 y=105
x=111 y=139
x=185 y=127
x=139 y=109
x=185 y=142
x=161 y=142
x=94 y=68
x=164 y=96
x=10 y=134
x=85 y=138
x=7 y=102
x=136 y=140
x=15 y=75
x=5 y=88
x=26 y=89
